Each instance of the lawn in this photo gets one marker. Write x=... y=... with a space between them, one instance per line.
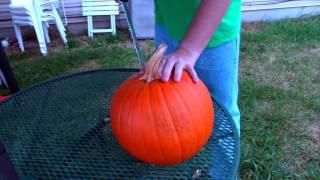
x=279 y=89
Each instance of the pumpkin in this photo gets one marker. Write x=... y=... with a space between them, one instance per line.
x=162 y=123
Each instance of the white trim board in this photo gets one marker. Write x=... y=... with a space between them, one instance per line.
x=285 y=10
x=251 y=5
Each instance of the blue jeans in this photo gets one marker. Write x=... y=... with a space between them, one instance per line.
x=217 y=67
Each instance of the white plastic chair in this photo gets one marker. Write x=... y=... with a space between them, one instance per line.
x=36 y=13
x=48 y=12
x=92 y=8
x=24 y=13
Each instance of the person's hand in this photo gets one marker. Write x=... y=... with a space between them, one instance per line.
x=175 y=63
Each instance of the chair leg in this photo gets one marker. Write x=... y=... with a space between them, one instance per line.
x=60 y=26
x=45 y=27
x=41 y=38
x=57 y=17
x=19 y=36
x=90 y=27
x=88 y=24
x=62 y=33
x=91 y=24
x=37 y=25
x=113 y=24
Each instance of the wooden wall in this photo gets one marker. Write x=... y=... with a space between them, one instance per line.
x=253 y=10
x=5 y=17
x=76 y=22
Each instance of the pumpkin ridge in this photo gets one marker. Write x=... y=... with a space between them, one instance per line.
x=191 y=94
x=132 y=115
x=120 y=114
x=126 y=102
x=187 y=110
x=122 y=130
x=153 y=123
x=172 y=121
x=206 y=129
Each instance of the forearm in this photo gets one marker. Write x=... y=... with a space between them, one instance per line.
x=204 y=24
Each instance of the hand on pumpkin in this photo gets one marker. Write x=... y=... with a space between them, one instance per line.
x=181 y=59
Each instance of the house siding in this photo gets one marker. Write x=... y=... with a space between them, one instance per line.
x=143 y=17
x=77 y=24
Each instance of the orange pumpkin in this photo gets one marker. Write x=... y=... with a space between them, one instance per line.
x=159 y=122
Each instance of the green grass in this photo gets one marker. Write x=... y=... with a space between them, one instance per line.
x=280 y=100
x=103 y=51
x=279 y=90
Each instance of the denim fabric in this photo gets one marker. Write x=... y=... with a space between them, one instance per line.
x=217 y=67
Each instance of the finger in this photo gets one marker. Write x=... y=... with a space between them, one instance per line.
x=160 y=68
x=178 y=68
x=193 y=74
x=167 y=69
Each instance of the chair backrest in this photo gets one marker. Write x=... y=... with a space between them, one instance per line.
x=21 y=5
x=26 y=8
x=57 y=4
x=20 y=2
x=99 y=7
x=22 y=11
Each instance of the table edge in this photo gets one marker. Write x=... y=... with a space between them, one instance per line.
x=236 y=163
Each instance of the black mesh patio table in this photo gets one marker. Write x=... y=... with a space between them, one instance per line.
x=58 y=129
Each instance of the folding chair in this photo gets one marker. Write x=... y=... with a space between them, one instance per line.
x=92 y=8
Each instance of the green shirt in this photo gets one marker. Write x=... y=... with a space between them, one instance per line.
x=176 y=16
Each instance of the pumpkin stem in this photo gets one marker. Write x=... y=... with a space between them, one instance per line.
x=151 y=67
